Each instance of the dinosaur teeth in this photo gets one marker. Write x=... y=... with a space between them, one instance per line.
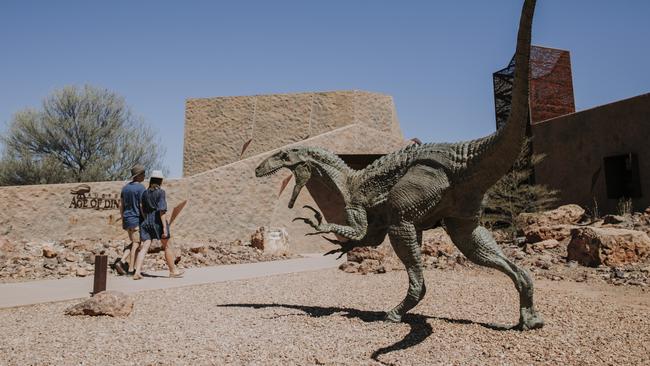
x=270 y=172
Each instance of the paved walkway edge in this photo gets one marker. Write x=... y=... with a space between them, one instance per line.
x=36 y=292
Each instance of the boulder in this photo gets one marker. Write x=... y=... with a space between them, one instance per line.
x=49 y=252
x=546 y=244
x=437 y=243
x=615 y=219
x=197 y=248
x=349 y=267
x=371 y=266
x=257 y=239
x=111 y=303
x=360 y=254
x=608 y=246
x=277 y=241
x=536 y=233
x=563 y=215
x=271 y=240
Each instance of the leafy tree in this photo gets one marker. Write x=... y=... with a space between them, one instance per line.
x=515 y=194
x=78 y=135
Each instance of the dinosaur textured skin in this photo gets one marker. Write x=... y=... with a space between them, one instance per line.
x=420 y=187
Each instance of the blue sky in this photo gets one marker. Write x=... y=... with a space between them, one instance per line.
x=434 y=57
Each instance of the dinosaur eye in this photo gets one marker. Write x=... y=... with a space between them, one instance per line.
x=284 y=155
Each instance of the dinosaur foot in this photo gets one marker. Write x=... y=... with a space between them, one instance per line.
x=529 y=319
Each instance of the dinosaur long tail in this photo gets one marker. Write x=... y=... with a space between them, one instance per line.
x=494 y=155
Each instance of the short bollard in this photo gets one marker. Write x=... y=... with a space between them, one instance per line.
x=101 y=262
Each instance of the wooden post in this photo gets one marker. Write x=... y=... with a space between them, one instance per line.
x=101 y=266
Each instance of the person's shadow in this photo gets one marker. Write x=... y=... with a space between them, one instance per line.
x=420 y=328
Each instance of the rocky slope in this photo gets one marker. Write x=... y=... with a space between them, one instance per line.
x=30 y=260
x=558 y=245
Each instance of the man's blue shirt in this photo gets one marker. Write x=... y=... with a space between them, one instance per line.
x=131 y=194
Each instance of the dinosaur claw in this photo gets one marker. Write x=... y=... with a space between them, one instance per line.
x=333 y=241
x=334 y=251
x=306 y=220
x=317 y=214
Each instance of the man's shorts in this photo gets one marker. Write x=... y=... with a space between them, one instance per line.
x=130 y=223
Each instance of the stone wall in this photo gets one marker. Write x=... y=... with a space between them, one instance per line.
x=576 y=144
x=223 y=130
x=225 y=204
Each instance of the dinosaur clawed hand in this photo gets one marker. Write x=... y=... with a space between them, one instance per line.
x=346 y=246
x=318 y=224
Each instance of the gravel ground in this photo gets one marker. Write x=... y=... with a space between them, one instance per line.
x=331 y=317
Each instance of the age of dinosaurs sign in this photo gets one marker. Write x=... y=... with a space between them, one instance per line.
x=81 y=198
x=421 y=186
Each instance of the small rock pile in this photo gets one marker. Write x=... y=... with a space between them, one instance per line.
x=557 y=245
x=29 y=260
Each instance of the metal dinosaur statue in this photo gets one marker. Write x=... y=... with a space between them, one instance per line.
x=422 y=186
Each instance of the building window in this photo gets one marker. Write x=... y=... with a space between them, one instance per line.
x=622 y=176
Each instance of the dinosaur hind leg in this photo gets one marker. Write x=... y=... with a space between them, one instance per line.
x=406 y=242
x=478 y=245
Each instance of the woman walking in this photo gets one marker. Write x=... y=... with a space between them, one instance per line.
x=154 y=225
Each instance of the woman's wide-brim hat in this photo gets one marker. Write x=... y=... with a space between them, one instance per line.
x=157 y=174
x=137 y=170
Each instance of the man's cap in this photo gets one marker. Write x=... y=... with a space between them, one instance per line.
x=157 y=174
x=137 y=170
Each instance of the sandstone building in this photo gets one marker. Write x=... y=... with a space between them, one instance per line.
x=225 y=139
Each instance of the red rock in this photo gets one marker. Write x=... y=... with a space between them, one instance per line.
x=111 y=303
x=358 y=255
x=257 y=239
x=546 y=244
x=349 y=267
x=49 y=252
x=198 y=248
x=536 y=233
x=437 y=243
x=371 y=266
x=609 y=246
x=563 y=215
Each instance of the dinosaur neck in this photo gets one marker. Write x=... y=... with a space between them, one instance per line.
x=494 y=155
x=330 y=170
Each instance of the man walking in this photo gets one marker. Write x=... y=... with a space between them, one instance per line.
x=131 y=216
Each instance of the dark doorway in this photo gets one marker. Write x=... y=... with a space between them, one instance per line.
x=622 y=176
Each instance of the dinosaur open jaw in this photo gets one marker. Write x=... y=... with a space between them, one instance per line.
x=269 y=173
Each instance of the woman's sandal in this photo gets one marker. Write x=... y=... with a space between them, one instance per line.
x=178 y=274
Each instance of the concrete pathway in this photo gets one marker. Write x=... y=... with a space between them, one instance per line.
x=35 y=292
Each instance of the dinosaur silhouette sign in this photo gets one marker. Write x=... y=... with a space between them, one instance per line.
x=83 y=199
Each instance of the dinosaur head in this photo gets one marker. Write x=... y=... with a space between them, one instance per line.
x=294 y=159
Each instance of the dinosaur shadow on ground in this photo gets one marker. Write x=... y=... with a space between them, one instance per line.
x=420 y=328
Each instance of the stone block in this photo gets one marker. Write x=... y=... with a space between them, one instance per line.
x=608 y=246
